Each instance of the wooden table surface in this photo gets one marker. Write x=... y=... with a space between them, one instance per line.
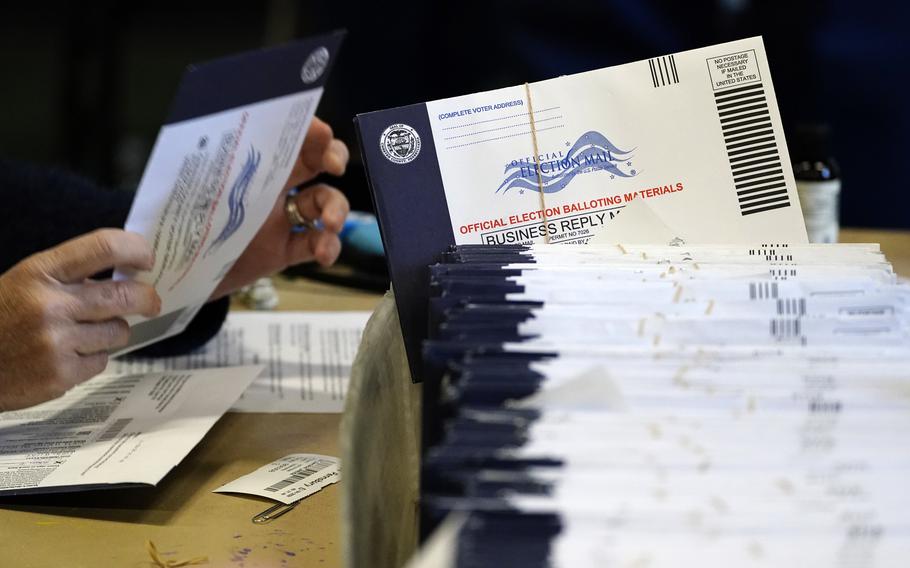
x=895 y=245
x=185 y=519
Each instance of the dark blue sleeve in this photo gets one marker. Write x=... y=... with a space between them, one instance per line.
x=41 y=207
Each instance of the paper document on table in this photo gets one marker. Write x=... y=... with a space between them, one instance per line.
x=217 y=168
x=288 y=479
x=307 y=357
x=114 y=430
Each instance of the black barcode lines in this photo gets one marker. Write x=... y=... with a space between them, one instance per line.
x=786 y=328
x=114 y=430
x=663 y=71
x=758 y=173
x=762 y=290
x=782 y=273
x=791 y=306
x=300 y=475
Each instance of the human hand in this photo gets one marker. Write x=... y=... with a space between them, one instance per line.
x=56 y=325
x=275 y=246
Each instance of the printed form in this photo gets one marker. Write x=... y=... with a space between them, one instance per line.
x=217 y=168
x=114 y=430
x=687 y=141
x=307 y=358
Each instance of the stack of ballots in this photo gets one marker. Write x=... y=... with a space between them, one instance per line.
x=621 y=405
x=722 y=393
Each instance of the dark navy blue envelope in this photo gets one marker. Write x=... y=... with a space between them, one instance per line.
x=413 y=216
x=250 y=77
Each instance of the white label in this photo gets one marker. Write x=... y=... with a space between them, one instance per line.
x=734 y=69
x=288 y=479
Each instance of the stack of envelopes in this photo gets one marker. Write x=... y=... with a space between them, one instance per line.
x=659 y=406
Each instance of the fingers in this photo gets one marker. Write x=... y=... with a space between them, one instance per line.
x=79 y=258
x=87 y=366
x=321 y=246
x=102 y=337
x=325 y=203
x=100 y=301
x=51 y=377
x=335 y=158
x=317 y=141
x=321 y=152
x=56 y=325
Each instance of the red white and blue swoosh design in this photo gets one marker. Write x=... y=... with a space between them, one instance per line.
x=591 y=152
x=237 y=198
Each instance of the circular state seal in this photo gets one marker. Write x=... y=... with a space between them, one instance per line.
x=400 y=143
x=314 y=65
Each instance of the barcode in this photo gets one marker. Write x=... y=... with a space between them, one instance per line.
x=791 y=307
x=762 y=290
x=663 y=71
x=771 y=254
x=114 y=430
x=301 y=474
x=766 y=249
x=785 y=328
x=782 y=273
x=758 y=174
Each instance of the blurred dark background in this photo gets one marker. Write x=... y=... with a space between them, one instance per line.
x=86 y=85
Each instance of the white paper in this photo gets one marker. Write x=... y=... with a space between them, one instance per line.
x=124 y=429
x=638 y=223
x=705 y=150
x=288 y=479
x=206 y=190
x=748 y=405
x=307 y=357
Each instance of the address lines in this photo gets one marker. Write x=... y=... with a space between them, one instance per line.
x=502 y=128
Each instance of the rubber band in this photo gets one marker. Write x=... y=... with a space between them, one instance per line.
x=162 y=563
x=543 y=204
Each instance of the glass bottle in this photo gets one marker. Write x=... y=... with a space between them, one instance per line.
x=818 y=181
